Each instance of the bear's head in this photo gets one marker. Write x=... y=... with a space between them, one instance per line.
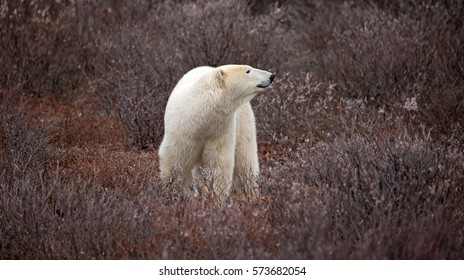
x=243 y=80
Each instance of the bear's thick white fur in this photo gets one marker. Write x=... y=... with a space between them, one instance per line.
x=209 y=124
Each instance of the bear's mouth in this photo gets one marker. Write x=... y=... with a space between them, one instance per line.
x=265 y=84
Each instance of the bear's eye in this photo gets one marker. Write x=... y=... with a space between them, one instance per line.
x=248 y=72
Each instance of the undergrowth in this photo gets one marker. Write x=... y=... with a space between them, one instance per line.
x=360 y=140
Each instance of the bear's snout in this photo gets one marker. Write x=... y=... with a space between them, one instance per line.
x=267 y=82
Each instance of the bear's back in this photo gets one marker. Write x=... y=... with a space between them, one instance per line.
x=193 y=80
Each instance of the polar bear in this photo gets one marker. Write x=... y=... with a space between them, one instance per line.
x=209 y=124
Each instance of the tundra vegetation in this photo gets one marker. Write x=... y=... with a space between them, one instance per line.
x=361 y=139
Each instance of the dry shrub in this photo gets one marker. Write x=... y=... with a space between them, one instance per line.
x=75 y=220
x=52 y=46
x=381 y=187
x=391 y=55
x=46 y=46
x=367 y=195
x=298 y=107
x=23 y=143
x=360 y=140
x=358 y=196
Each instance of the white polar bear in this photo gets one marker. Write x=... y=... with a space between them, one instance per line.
x=209 y=124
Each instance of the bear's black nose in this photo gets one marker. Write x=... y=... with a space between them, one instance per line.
x=272 y=77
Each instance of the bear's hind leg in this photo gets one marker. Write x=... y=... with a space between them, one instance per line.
x=176 y=175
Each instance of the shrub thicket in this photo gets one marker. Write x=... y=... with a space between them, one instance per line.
x=360 y=139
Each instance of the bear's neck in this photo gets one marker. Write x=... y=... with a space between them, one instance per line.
x=220 y=112
x=233 y=101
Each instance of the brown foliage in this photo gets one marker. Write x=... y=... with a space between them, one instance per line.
x=360 y=140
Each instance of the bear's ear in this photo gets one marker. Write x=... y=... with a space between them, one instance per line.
x=221 y=78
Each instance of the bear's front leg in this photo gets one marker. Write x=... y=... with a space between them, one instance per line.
x=219 y=158
x=222 y=175
x=246 y=156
